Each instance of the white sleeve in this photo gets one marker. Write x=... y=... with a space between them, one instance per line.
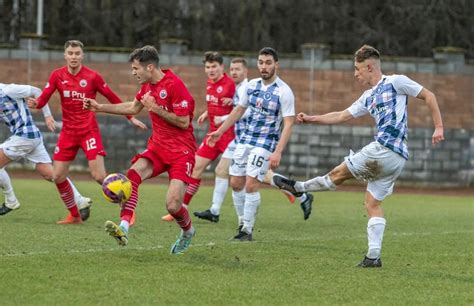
x=16 y=91
x=287 y=102
x=358 y=109
x=46 y=111
x=406 y=86
x=244 y=97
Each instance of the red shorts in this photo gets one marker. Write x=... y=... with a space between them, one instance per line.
x=179 y=165
x=212 y=153
x=68 y=145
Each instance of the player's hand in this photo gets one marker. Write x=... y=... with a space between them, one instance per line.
x=227 y=101
x=90 y=104
x=148 y=101
x=302 y=118
x=202 y=118
x=139 y=124
x=50 y=123
x=438 y=135
x=274 y=160
x=213 y=138
x=32 y=102
x=218 y=120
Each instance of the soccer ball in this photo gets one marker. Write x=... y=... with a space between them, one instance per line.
x=116 y=188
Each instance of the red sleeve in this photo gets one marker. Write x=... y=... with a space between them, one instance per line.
x=231 y=88
x=107 y=92
x=181 y=100
x=47 y=91
x=140 y=93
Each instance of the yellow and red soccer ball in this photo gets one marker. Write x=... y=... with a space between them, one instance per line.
x=116 y=188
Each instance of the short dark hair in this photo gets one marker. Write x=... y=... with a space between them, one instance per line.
x=213 y=56
x=237 y=60
x=145 y=55
x=269 y=51
x=365 y=52
x=73 y=43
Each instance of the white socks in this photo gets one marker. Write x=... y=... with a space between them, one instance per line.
x=319 y=183
x=220 y=190
x=252 y=202
x=375 y=229
x=303 y=198
x=239 y=203
x=125 y=225
x=77 y=195
x=6 y=185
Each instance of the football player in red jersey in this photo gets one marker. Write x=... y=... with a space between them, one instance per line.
x=220 y=91
x=74 y=82
x=171 y=147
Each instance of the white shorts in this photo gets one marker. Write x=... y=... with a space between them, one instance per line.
x=379 y=166
x=33 y=150
x=250 y=161
x=229 y=152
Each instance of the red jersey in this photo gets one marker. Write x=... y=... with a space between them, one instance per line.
x=72 y=90
x=215 y=92
x=172 y=95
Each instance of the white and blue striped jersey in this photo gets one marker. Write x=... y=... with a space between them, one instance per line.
x=387 y=103
x=239 y=126
x=268 y=105
x=15 y=112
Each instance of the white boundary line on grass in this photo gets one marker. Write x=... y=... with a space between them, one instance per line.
x=199 y=245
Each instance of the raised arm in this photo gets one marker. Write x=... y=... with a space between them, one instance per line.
x=432 y=103
x=235 y=115
x=127 y=108
x=329 y=118
x=48 y=90
x=113 y=98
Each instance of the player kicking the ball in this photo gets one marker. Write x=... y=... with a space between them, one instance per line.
x=171 y=147
x=381 y=161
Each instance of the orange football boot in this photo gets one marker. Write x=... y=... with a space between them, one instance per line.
x=289 y=195
x=132 y=220
x=167 y=218
x=70 y=220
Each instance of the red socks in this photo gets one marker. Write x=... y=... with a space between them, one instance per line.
x=66 y=194
x=183 y=219
x=129 y=207
x=191 y=191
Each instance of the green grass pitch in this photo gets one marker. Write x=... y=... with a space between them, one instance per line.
x=427 y=253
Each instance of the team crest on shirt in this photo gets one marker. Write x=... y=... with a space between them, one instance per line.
x=267 y=96
x=219 y=89
x=163 y=94
x=182 y=104
x=83 y=83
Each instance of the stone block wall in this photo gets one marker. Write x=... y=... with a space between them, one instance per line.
x=312 y=150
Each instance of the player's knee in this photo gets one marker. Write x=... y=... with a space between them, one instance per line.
x=222 y=172
x=251 y=187
x=98 y=176
x=236 y=184
x=58 y=178
x=48 y=176
x=373 y=209
x=173 y=205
